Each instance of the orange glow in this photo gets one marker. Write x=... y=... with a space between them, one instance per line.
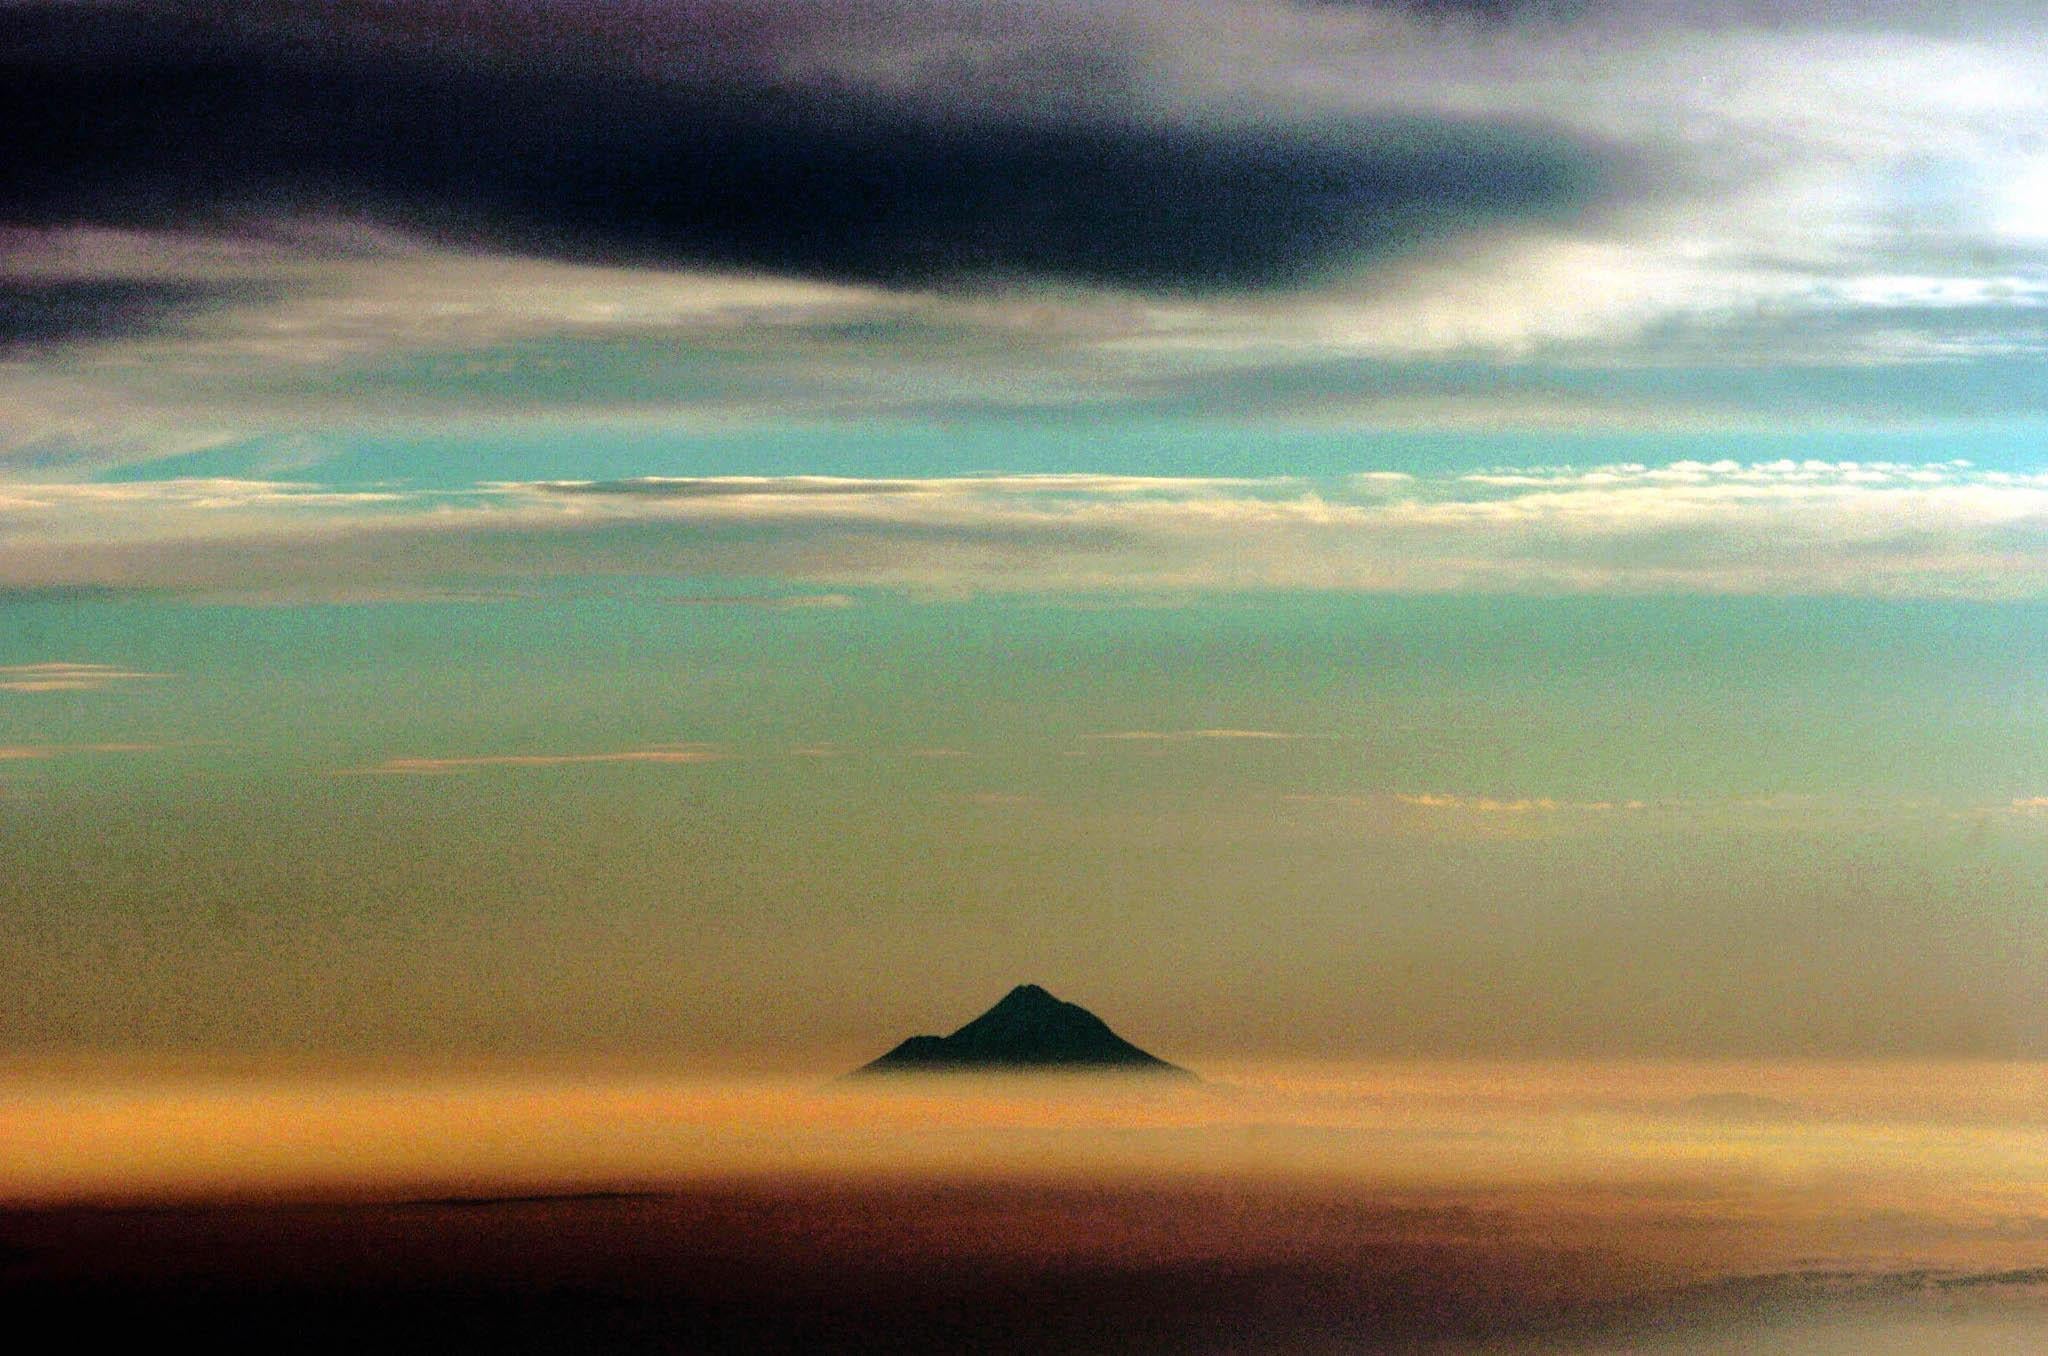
x=1947 y=1154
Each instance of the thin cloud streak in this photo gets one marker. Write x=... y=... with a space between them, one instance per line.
x=37 y=752
x=61 y=676
x=1450 y=815
x=1522 y=805
x=768 y=602
x=678 y=754
x=1183 y=736
x=1483 y=815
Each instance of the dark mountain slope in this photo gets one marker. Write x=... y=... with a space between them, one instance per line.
x=1028 y=1030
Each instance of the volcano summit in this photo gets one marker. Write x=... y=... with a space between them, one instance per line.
x=1028 y=1031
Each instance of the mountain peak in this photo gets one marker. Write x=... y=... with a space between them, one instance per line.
x=1028 y=1029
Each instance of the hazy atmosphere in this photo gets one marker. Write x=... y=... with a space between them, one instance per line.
x=1474 y=573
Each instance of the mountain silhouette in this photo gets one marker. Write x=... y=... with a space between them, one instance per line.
x=1029 y=1030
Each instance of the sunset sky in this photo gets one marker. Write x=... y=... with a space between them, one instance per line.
x=721 y=535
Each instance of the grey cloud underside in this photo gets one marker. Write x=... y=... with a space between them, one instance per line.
x=120 y=119
x=1755 y=15
x=1733 y=374
x=40 y=313
x=1486 y=11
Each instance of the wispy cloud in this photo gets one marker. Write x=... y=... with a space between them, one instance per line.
x=730 y=487
x=61 y=676
x=1182 y=736
x=769 y=602
x=1875 y=527
x=1519 y=805
x=663 y=754
x=1482 y=815
x=1005 y=800
x=1460 y=815
x=15 y=753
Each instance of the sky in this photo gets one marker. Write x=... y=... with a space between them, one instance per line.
x=728 y=532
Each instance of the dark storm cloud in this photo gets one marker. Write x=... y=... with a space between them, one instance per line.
x=44 y=312
x=121 y=117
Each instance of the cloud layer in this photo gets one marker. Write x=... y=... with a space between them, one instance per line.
x=224 y=223
x=1871 y=528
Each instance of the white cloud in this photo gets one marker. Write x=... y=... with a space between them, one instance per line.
x=1844 y=527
